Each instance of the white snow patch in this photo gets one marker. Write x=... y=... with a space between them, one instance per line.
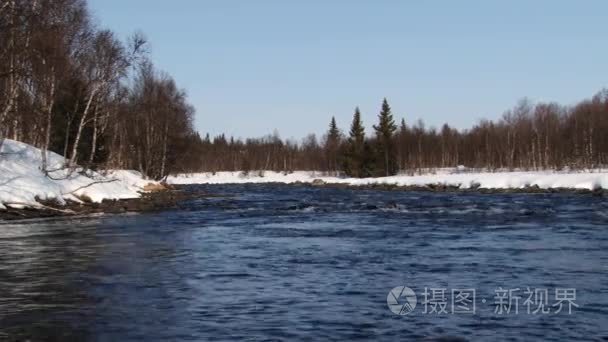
x=22 y=181
x=448 y=177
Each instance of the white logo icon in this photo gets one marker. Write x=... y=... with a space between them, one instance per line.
x=401 y=300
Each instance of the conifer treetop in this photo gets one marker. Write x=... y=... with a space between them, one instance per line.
x=357 y=131
x=386 y=125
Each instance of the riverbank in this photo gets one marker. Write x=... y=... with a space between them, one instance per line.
x=441 y=180
x=26 y=191
x=166 y=199
x=447 y=188
x=25 y=183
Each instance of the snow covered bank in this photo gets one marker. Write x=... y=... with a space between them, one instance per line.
x=22 y=181
x=485 y=180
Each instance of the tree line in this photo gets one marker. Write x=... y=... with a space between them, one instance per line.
x=73 y=88
x=527 y=137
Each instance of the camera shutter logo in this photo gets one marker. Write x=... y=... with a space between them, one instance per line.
x=401 y=300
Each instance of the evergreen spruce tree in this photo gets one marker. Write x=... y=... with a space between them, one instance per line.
x=385 y=144
x=357 y=131
x=334 y=133
x=332 y=146
x=353 y=161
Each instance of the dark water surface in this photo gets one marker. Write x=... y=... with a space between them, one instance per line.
x=269 y=262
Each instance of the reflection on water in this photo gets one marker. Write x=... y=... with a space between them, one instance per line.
x=284 y=262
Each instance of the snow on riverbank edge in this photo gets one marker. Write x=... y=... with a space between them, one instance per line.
x=22 y=182
x=483 y=180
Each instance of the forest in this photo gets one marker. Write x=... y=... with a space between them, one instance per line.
x=527 y=137
x=73 y=88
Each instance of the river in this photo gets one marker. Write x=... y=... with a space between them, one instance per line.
x=284 y=262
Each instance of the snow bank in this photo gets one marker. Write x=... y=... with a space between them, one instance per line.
x=22 y=181
x=486 y=180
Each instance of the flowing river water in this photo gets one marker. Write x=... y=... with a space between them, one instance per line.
x=278 y=262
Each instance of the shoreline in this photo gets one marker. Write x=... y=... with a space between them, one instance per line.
x=154 y=201
x=440 y=188
x=454 y=189
x=451 y=179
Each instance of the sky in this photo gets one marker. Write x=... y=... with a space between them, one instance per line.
x=250 y=67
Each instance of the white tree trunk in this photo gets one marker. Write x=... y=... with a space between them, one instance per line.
x=94 y=142
x=164 y=160
x=47 y=133
x=83 y=121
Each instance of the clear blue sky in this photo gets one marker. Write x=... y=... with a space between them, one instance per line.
x=252 y=66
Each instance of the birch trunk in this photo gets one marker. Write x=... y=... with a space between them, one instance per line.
x=94 y=141
x=164 y=160
x=47 y=133
x=83 y=121
x=12 y=80
x=66 y=139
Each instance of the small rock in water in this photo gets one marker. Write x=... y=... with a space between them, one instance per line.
x=318 y=181
x=391 y=205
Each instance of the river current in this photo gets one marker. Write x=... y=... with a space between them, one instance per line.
x=281 y=262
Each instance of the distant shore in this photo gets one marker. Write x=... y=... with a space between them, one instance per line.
x=440 y=180
x=447 y=188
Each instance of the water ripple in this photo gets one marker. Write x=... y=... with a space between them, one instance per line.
x=277 y=262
